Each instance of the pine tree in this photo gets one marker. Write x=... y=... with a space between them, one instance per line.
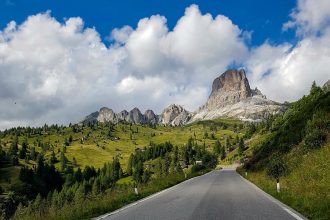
x=22 y=152
x=315 y=89
x=53 y=158
x=130 y=164
x=222 y=153
x=241 y=146
x=96 y=188
x=33 y=153
x=70 y=139
x=74 y=162
x=217 y=148
x=227 y=144
x=63 y=161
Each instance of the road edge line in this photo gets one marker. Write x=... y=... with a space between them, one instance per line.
x=285 y=207
x=146 y=198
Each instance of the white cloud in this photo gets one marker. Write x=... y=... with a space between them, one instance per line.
x=201 y=40
x=310 y=16
x=53 y=72
x=285 y=72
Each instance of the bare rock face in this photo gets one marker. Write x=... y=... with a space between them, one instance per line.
x=150 y=117
x=91 y=118
x=135 y=116
x=326 y=86
x=174 y=115
x=232 y=96
x=107 y=115
x=123 y=116
x=182 y=118
x=229 y=88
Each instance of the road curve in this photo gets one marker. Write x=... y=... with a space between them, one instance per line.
x=217 y=195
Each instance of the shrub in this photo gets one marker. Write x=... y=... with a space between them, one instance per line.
x=197 y=167
x=315 y=138
x=276 y=168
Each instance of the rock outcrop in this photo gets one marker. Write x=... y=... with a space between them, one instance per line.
x=150 y=117
x=229 y=88
x=174 y=115
x=135 y=116
x=91 y=118
x=123 y=115
x=106 y=114
x=232 y=96
x=326 y=86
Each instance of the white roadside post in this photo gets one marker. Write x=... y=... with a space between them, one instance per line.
x=278 y=188
x=136 y=190
x=245 y=173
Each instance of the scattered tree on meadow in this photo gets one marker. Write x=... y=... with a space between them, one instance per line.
x=241 y=146
x=217 y=148
x=276 y=168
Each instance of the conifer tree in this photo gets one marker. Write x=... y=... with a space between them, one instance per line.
x=217 y=147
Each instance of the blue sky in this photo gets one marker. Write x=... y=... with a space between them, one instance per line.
x=265 y=20
x=57 y=63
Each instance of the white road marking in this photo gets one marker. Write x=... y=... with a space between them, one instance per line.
x=147 y=198
x=286 y=208
x=293 y=214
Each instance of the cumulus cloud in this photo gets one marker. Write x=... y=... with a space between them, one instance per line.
x=285 y=72
x=57 y=72
x=310 y=16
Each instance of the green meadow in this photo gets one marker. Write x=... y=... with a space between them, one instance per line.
x=95 y=146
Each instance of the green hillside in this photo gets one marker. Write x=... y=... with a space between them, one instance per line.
x=101 y=156
x=299 y=142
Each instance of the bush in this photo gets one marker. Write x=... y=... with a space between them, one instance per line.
x=197 y=167
x=276 y=168
x=315 y=139
x=316 y=129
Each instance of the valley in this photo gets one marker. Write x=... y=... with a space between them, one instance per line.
x=105 y=162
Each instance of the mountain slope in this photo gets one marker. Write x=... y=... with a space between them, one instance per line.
x=174 y=115
x=300 y=140
x=232 y=96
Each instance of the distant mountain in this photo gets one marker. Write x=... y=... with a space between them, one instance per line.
x=172 y=115
x=326 y=86
x=231 y=96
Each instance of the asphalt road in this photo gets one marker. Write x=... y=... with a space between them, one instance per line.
x=217 y=195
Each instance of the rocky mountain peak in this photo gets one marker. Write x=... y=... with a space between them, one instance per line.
x=135 y=116
x=150 y=117
x=229 y=88
x=174 y=115
x=106 y=114
x=326 y=86
x=232 y=96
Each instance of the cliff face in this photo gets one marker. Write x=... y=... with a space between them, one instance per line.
x=229 y=88
x=326 y=86
x=172 y=115
x=232 y=96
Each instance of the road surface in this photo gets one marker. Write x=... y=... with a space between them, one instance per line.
x=217 y=195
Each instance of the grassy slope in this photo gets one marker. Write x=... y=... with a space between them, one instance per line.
x=99 y=148
x=306 y=186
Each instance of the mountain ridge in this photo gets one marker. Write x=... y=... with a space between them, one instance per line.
x=231 y=96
